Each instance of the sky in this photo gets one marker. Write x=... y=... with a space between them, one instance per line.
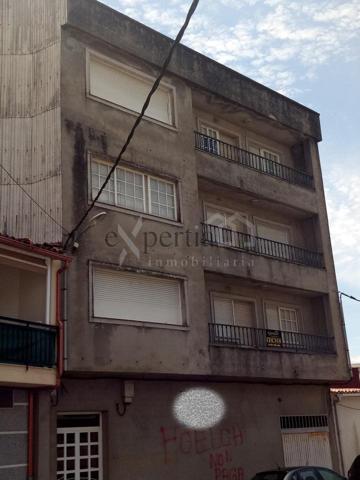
x=308 y=50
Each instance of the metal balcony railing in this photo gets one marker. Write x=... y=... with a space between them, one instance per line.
x=252 y=160
x=214 y=235
x=259 y=338
x=27 y=343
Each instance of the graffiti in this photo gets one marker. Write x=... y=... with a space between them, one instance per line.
x=219 y=463
x=177 y=442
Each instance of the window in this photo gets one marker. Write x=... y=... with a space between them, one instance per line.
x=134 y=190
x=269 y=161
x=211 y=144
x=223 y=221
x=79 y=447
x=231 y=317
x=288 y=319
x=281 y=318
x=128 y=88
x=123 y=295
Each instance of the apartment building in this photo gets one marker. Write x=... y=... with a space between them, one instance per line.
x=201 y=319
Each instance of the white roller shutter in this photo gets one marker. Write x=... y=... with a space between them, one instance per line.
x=223 y=309
x=305 y=449
x=272 y=232
x=132 y=296
x=244 y=313
x=122 y=87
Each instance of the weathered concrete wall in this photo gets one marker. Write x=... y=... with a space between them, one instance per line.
x=126 y=34
x=90 y=126
x=247 y=439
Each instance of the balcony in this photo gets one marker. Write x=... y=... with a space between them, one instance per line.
x=27 y=343
x=251 y=160
x=262 y=339
x=214 y=235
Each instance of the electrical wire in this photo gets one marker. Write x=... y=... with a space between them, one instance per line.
x=138 y=119
x=349 y=296
x=31 y=198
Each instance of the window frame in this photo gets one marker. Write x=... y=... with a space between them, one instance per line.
x=232 y=297
x=282 y=308
x=202 y=122
x=93 y=158
x=287 y=306
x=183 y=297
x=137 y=73
x=62 y=430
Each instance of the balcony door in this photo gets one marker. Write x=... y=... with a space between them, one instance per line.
x=234 y=319
x=286 y=320
x=210 y=144
x=226 y=225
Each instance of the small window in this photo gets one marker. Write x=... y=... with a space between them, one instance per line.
x=123 y=295
x=134 y=190
x=79 y=447
x=128 y=88
x=288 y=319
x=6 y=398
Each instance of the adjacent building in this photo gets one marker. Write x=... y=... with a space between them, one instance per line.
x=210 y=275
x=346 y=403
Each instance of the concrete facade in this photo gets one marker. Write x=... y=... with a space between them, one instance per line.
x=257 y=385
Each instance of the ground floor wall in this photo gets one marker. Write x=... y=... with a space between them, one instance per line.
x=172 y=429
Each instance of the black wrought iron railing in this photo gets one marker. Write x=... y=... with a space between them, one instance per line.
x=27 y=343
x=252 y=160
x=233 y=335
x=214 y=235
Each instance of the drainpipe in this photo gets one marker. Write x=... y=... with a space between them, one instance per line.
x=342 y=316
x=30 y=452
x=60 y=324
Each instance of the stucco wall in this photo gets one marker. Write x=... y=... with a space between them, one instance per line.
x=248 y=437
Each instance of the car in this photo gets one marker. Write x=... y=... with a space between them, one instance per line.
x=299 y=473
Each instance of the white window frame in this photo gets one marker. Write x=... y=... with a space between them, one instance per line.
x=64 y=430
x=135 y=72
x=146 y=191
x=288 y=309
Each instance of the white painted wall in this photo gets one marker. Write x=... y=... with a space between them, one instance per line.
x=348 y=414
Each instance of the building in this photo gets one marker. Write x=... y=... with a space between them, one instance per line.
x=211 y=275
x=346 y=403
x=30 y=345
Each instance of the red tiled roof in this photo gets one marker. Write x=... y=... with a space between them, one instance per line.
x=353 y=386
x=50 y=250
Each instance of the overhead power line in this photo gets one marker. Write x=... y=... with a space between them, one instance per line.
x=138 y=119
x=348 y=296
x=31 y=198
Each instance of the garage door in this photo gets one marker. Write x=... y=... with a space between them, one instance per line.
x=306 y=441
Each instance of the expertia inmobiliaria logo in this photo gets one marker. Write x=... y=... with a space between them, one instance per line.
x=235 y=232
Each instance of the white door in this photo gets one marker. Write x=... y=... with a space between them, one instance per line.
x=210 y=144
x=310 y=448
x=79 y=447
